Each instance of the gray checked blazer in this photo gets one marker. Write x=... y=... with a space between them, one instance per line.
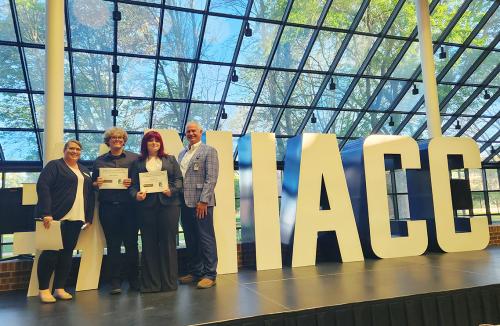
x=201 y=176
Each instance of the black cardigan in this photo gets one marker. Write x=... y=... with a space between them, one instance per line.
x=56 y=189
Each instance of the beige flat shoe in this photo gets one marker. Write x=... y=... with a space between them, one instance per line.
x=46 y=296
x=62 y=295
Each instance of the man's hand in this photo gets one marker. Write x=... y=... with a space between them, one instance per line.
x=46 y=221
x=99 y=181
x=127 y=182
x=167 y=192
x=141 y=195
x=201 y=210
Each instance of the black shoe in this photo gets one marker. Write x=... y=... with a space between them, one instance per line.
x=115 y=287
x=134 y=285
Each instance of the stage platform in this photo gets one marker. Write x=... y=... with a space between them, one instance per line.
x=434 y=289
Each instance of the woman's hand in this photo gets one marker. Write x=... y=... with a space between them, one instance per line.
x=127 y=182
x=167 y=192
x=141 y=195
x=46 y=221
x=98 y=182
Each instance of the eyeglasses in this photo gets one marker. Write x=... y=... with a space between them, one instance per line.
x=116 y=138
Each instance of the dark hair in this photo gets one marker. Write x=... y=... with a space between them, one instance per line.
x=144 y=144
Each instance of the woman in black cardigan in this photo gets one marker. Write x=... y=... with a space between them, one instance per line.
x=65 y=194
x=158 y=215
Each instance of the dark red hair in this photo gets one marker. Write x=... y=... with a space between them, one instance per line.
x=144 y=144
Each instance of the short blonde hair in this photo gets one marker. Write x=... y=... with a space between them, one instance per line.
x=66 y=145
x=115 y=131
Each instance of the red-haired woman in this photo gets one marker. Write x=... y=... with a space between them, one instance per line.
x=158 y=215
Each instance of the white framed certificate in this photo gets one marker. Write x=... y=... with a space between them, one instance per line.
x=113 y=177
x=156 y=181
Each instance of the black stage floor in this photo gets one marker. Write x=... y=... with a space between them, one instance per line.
x=250 y=293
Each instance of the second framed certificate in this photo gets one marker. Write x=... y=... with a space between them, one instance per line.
x=151 y=182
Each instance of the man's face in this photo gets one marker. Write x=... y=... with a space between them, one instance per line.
x=193 y=133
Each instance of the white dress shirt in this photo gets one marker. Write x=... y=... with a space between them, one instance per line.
x=187 y=157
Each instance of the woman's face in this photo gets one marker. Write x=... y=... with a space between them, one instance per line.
x=72 y=152
x=116 y=142
x=153 y=146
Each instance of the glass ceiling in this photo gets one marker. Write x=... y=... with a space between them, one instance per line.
x=349 y=67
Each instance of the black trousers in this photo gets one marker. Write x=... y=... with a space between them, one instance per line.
x=59 y=260
x=159 y=225
x=119 y=224
x=200 y=243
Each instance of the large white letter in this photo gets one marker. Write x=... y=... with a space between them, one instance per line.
x=448 y=239
x=309 y=159
x=259 y=209
x=383 y=245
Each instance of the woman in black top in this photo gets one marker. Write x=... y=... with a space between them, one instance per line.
x=65 y=194
x=158 y=215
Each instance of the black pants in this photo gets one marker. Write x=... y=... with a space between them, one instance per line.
x=159 y=225
x=59 y=260
x=200 y=243
x=120 y=226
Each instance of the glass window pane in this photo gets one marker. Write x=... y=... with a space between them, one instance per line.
x=322 y=119
x=231 y=7
x=134 y=143
x=406 y=21
x=219 y=42
x=489 y=31
x=410 y=61
x=262 y=119
x=342 y=13
x=390 y=201
x=275 y=87
x=343 y=123
x=386 y=129
x=174 y=79
x=474 y=128
x=403 y=207
x=401 y=186
x=331 y=98
x=15 y=111
x=169 y=115
x=490 y=132
x=485 y=68
x=92 y=73
x=210 y=82
x=290 y=121
x=361 y=93
x=91 y=24
x=39 y=101
x=384 y=57
x=243 y=91
x=281 y=148
x=478 y=203
x=492 y=179
x=193 y=4
x=442 y=15
x=135 y=77
x=133 y=115
x=324 y=50
x=411 y=127
x=205 y=114
x=11 y=72
x=306 y=89
x=291 y=48
x=462 y=65
x=31 y=15
x=269 y=9
x=366 y=125
x=476 y=179
x=236 y=116
x=19 y=146
x=442 y=63
x=355 y=54
x=376 y=16
x=94 y=113
x=388 y=182
x=468 y=21
x=35 y=60
x=255 y=50
x=90 y=143
x=387 y=95
x=458 y=99
x=6 y=25
x=409 y=101
x=306 y=12
x=138 y=29
x=183 y=30
x=494 y=198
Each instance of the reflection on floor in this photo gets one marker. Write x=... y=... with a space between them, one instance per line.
x=251 y=293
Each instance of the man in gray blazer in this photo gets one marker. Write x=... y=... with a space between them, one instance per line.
x=200 y=168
